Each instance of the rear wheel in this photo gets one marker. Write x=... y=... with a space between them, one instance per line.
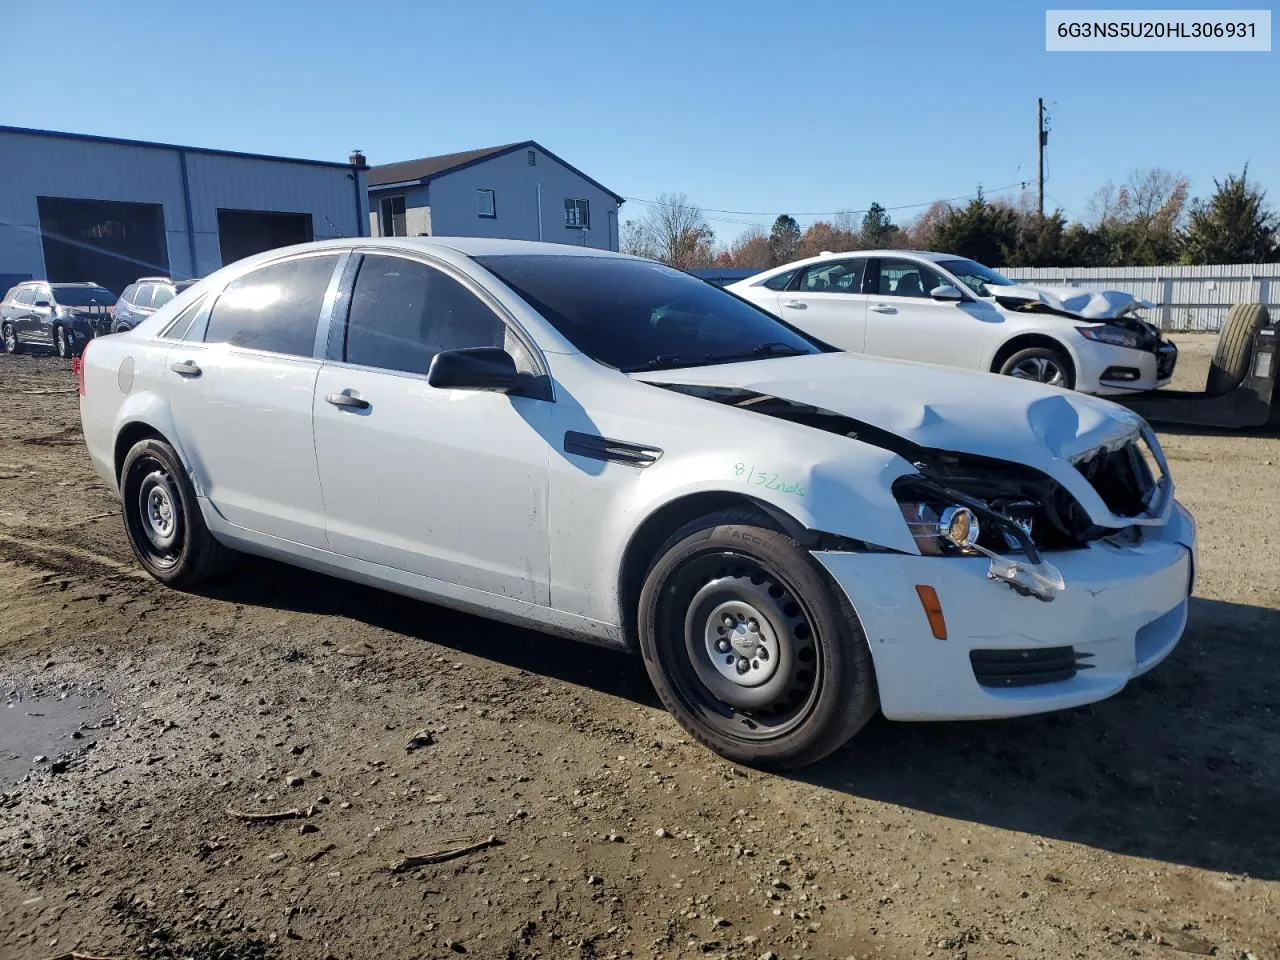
x=10 y=336
x=163 y=520
x=1041 y=364
x=751 y=646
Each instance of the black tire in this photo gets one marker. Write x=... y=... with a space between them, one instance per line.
x=1231 y=358
x=1042 y=365
x=10 y=338
x=181 y=552
x=62 y=342
x=735 y=566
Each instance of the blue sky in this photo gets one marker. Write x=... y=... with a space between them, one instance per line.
x=745 y=106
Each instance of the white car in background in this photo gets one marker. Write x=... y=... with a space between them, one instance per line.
x=606 y=448
x=939 y=308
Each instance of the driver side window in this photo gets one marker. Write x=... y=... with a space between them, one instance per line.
x=404 y=312
x=907 y=278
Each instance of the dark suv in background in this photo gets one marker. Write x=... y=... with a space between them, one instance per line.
x=59 y=316
x=143 y=298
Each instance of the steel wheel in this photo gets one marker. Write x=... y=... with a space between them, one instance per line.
x=1040 y=369
x=749 y=663
x=155 y=512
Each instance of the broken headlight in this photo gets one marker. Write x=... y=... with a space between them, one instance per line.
x=1116 y=336
x=945 y=521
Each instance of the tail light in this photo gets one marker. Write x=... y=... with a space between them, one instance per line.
x=77 y=367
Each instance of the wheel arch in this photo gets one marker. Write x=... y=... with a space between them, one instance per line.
x=1024 y=341
x=128 y=436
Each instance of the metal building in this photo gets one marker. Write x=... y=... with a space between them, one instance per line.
x=78 y=207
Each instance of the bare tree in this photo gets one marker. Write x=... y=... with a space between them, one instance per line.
x=672 y=230
x=1101 y=206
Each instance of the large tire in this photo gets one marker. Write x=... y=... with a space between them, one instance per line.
x=1231 y=359
x=1042 y=365
x=10 y=339
x=62 y=342
x=163 y=521
x=790 y=689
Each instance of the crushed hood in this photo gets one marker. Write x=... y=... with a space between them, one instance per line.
x=933 y=406
x=1097 y=305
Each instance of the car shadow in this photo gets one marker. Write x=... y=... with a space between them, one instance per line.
x=1182 y=766
x=266 y=583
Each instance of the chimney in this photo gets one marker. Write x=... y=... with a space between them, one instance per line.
x=357 y=160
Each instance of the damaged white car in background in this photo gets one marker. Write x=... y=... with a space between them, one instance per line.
x=608 y=449
x=939 y=308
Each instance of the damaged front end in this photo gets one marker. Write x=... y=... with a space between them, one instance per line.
x=961 y=504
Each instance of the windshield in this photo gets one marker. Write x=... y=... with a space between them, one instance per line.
x=82 y=296
x=974 y=275
x=640 y=315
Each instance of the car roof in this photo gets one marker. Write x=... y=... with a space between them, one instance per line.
x=78 y=283
x=467 y=246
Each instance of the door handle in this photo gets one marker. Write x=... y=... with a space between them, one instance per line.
x=796 y=304
x=348 y=401
x=185 y=368
x=882 y=308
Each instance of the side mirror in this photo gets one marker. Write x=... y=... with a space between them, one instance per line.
x=42 y=304
x=475 y=368
x=946 y=292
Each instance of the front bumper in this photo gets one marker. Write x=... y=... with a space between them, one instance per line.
x=1095 y=363
x=1123 y=611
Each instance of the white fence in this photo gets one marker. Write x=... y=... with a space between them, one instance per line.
x=1186 y=298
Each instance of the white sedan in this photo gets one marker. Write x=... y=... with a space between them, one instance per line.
x=939 y=308
x=608 y=449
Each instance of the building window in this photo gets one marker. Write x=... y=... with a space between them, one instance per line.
x=391 y=221
x=486 y=204
x=577 y=213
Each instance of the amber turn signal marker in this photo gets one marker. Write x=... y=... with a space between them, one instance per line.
x=933 y=610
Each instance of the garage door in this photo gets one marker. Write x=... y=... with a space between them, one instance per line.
x=242 y=233
x=102 y=241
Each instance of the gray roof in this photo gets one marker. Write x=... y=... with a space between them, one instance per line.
x=425 y=169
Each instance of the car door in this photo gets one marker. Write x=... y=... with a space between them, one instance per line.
x=826 y=300
x=18 y=313
x=447 y=484
x=241 y=393
x=39 y=320
x=905 y=322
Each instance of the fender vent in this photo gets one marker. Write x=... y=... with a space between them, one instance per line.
x=615 y=451
x=1027 y=668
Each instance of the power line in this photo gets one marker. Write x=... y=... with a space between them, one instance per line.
x=830 y=213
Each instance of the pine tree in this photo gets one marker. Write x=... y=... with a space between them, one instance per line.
x=1233 y=226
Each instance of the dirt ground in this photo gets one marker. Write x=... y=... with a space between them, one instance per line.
x=1145 y=826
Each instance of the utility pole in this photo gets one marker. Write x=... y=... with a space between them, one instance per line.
x=1042 y=137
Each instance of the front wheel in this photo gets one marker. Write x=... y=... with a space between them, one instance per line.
x=62 y=342
x=1043 y=365
x=163 y=520
x=751 y=646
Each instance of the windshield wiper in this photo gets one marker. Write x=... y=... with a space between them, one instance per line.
x=774 y=348
x=663 y=361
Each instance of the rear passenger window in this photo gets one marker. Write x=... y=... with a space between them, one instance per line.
x=839 y=276
x=162 y=296
x=780 y=281
x=142 y=296
x=275 y=308
x=179 y=328
x=129 y=292
x=403 y=313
